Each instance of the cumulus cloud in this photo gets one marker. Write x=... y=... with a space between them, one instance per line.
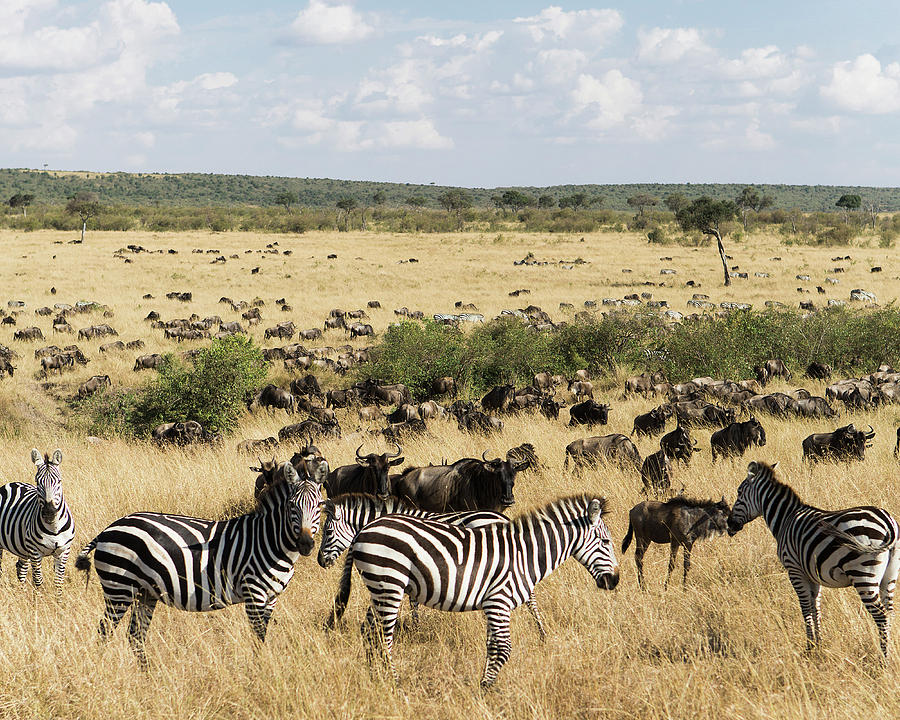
x=554 y=23
x=215 y=81
x=608 y=99
x=754 y=63
x=669 y=45
x=864 y=86
x=324 y=23
x=421 y=134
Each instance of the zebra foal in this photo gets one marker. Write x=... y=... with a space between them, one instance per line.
x=493 y=569
x=832 y=548
x=199 y=565
x=346 y=515
x=35 y=521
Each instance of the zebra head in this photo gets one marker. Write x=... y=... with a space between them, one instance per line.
x=337 y=533
x=594 y=548
x=48 y=480
x=305 y=501
x=747 y=507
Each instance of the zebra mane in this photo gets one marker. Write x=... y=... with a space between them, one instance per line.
x=565 y=507
x=764 y=470
x=272 y=491
x=353 y=499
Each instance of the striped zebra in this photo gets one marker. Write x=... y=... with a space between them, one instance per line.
x=346 y=515
x=199 y=565
x=835 y=548
x=493 y=568
x=35 y=521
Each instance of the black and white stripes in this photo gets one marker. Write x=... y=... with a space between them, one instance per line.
x=199 y=565
x=493 y=569
x=36 y=522
x=839 y=548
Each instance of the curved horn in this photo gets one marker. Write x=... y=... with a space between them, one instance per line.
x=360 y=457
x=871 y=432
x=483 y=457
x=396 y=454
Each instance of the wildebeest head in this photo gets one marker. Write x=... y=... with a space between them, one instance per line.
x=714 y=521
x=505 y=471
x=757 y=432
x=678 y=444
x=378 y=465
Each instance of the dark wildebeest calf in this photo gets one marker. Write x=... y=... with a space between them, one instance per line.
x=680 y=522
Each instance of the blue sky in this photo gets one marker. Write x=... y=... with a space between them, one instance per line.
x=464 y=93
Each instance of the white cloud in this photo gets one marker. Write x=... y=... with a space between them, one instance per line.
x=555 y=23
x=863 y=86
x=215 y=81
x=669 y=45
x=756 y=63
x=756 y=138
x=420 y=134
x=653 y=123
x=609 y=99
x=830 y=125
x=324 y=23
x=560 y=65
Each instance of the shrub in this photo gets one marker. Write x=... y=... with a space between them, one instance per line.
x=657 y=236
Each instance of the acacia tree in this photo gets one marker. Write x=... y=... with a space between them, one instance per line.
x=707 y=215
x=516 y=200
x=286 y=200
x=750 y=199
x=676 y=201
x=22 y=200
x=642 y=200
x=85 y=205
x=848 y=202
x=455 y=201
x=546 y=201
x=347 y=204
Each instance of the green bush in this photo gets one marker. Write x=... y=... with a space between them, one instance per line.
x=657 y=236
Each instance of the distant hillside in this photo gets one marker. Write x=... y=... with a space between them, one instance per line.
x=198 y=189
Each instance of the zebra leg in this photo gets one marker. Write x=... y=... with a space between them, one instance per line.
x=808 y=595
x=259 y=612
x=872 y=602
x=382 y=618
x=498 y=643
x=889 y=580
x=343 y=594
x=531 y=602
x=673 y=555
x=22 y=570
x=59 y=569
x=37 y=573
x=141 y=615
x=413 y=611
x=115 y=609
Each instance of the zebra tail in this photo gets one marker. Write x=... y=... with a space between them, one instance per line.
x=83 y=561
x=627 y=541
x=854 y=543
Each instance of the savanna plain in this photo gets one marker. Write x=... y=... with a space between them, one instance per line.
x=731 y=644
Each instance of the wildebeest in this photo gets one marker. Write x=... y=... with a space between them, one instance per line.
x=397 y=431
x=280 y=330
x=467 y=484
x=148 y=362
x=771 y=369
x=340 y=398
x=616 y=447
x=429 y=410
x=254 y=447
x=56 y=362
x=550 y=408
x=479 y=422
x=273 y=397
x=367 y=413
x=6 y=367
x=705 y=415
x=818 y=371
x=28 y=334
x=368 y=475
x=443 y=386
x=845 y=443
x=371 y=392
x=737 y=438
x=93 y=331
x=653 y=422
x=589 y=413
x=117 y=346
x=404 y=413
x=180 y=433
x=307 y=385
x=95 y=384
x=656 y=473
x=311 y=428
x=581 y=389
x=814 y=407
x=334 y=323
x=311 y=334
x=360 y=330
x=499 y=398
x=678 y=444
x=544 y=382
x=644 y=383
x=680 y=522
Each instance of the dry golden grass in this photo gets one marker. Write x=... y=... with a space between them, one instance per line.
x=731 y=644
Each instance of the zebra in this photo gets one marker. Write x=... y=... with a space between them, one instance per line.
x=346 y=515
x=35 y=521
x=835 y=548
x=199 y=565
x=493 y=568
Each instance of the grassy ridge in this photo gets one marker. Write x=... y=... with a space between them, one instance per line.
x=193 y=189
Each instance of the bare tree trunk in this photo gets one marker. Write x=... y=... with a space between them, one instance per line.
x=83 y=228
x=722 y=255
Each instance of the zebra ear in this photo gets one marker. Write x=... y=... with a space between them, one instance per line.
x=321 y=472
x=594 y=511
x=290 y=474
x=35 y=456
x=57 y=457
